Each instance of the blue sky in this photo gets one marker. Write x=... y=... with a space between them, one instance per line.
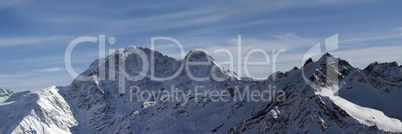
x=34 y=34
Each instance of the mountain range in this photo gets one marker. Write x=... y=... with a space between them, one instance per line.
x=324 y=96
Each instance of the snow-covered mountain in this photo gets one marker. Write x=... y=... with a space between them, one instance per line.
x=328 y=95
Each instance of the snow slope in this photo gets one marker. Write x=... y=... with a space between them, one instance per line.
x=44 y=111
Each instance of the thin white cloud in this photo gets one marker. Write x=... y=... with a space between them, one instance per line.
x=373 y=38
x=286 y=41
x=35 y=82
x=13 y=75
x=12 y=3
x=364 y=56
x=17 y=41
x=233 y=26
x=51 y=69
x=172 y=20
x=35 y=79
x=398 y=28
x=31 y=72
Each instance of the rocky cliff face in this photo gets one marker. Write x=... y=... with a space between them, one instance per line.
x=297 y=101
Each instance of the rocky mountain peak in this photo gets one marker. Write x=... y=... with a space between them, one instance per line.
x=387 y=71
x=5 y=92
x=198 y=56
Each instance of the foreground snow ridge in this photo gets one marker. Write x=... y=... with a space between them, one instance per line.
x=367 y=101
